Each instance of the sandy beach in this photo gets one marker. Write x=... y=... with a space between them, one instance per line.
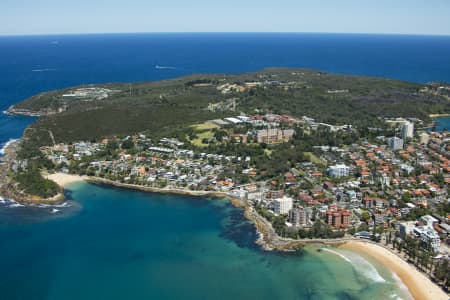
x=417 y=283
x=439 y=115
x=419 y=286
x=63 y=179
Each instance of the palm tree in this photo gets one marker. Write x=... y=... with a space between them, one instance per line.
x=388 y=238
x=442 y=271
x=402 y=246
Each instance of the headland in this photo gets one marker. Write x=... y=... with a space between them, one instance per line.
x=311 y=157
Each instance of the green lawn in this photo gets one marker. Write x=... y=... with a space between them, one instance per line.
x=205 y=126
x=207 y=134
x=314 y=159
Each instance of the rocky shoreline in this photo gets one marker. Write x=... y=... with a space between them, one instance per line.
x=268 y=239
x=9 y=188
x=12 y=111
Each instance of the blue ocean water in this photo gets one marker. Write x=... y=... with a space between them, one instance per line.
x=116 y=244
x=33 y=64
x=442 y=123
x=111 y=243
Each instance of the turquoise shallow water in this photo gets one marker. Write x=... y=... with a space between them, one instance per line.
x=120 y=244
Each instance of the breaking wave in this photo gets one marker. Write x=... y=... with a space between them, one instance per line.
x=2 y=150
x=402 y=286
x=9 y=202
x=15 y=204
x=51 y=208
x=62 y=205
x=360 y=265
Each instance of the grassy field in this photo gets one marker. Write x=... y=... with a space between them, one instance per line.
x=203 y=131
x=268 y=152
x=314 y=159
x=205 y=126
x=200 y=136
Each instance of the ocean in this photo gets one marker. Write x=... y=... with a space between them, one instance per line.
x=442 y=123
x=34 y=64
x=110 y=243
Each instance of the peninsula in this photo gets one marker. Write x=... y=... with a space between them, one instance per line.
x=312 y=157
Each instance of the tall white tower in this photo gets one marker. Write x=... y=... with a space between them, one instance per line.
x=408 y=130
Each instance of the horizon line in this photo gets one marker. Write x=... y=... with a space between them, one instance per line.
x=221 y=32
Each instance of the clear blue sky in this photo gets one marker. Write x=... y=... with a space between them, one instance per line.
x=112 y=16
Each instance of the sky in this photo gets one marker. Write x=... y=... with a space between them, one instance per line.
x=30 y=17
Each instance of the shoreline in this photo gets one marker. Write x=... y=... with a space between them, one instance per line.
x=7 y=186
x=268 y=239
x=63 y=179
x=7 y=145
x=418 y=284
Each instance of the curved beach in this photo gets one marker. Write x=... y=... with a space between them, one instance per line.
x=420 y=286
x=63 y=179
x=417 y=283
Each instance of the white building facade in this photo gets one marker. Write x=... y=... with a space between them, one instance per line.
x=408 y=130
x=282 y=205
x=395 y=143
x=340 y=170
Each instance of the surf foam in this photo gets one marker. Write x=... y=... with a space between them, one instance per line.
x=402 y=286
x=6 y=145
x=360 y=265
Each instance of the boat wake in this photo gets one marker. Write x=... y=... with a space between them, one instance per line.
x=360 y=265
x=164 y=67
x=2 y=150
x=43 y=70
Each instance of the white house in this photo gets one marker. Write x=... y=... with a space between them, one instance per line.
x=340 y=170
